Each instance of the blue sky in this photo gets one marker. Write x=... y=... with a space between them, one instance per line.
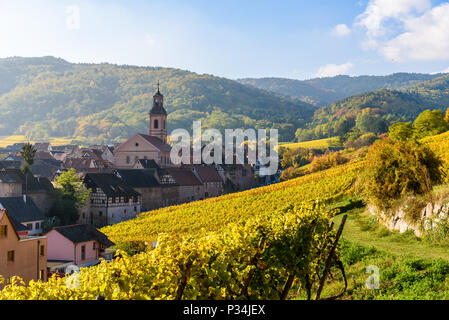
x=246 y=38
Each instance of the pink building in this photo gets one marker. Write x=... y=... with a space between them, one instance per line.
x=81 y=245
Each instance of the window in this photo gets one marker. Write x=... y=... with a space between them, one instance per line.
x=156 y=124
x=30 y=226
x=164 y=124
x=135 y=209
x=94 y=246
x=37 y=225
x=83 y=252
x=42 y=251
x=137 y=144
x=84 y=215
x=100 y=213
x=41 y=275
x=11 y=256
x=128 y=159
x=113 y=199
x=3 y=231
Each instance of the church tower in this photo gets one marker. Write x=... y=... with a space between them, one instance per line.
x=158 y=117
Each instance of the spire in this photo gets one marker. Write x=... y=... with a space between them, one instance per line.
x=158 y=102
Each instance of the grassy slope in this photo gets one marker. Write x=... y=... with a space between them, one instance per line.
x=363 y=229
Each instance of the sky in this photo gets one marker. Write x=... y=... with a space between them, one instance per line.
x=298 y=39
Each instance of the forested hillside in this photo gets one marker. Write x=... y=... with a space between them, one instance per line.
x=324 y=91
x=104 y=103
x=374 y=111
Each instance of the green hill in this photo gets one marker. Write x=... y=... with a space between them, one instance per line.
x=105 y=103
x=324 y=91
x=385 y=105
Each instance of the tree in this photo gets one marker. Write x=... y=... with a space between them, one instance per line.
x=401 y=131
x=446 y=117
x=396 y=168
x=366 y=122
x=28 y=152
x=429 y=123
x=71 y=195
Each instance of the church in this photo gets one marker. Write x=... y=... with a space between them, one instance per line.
x=152 y=146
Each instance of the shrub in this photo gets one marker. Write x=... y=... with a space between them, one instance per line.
x=397 y=168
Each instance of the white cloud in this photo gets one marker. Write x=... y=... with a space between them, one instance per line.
x=443 y=71
x=406 y=30
x=425 y=38
x=341 y=30
x=331 y=70
x=378 y=12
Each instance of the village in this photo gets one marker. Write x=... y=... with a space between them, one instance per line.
x=124 y=180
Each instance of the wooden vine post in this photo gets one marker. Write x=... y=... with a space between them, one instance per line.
x=328 y=263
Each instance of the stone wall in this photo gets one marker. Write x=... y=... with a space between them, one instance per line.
x=429 y=217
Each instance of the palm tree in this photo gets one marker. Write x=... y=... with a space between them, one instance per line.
x=28 y=153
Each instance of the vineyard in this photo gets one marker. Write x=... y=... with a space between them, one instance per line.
x=212 y=214
x=260 y=259
x=313 y=144
x=256 y=244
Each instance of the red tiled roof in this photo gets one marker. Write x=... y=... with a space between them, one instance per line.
x=184 y=176
x=208 y=173
x=41 y=155
x=158 y=143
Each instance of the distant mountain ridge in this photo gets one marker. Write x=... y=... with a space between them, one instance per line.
x=391 y=105
x=106 y=103
x=324 y=91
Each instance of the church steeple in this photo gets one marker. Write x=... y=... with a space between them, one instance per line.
x=158 y=103
x=158 y=117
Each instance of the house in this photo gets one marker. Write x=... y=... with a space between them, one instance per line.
x=11 y=182
x=42 y=146
x=147 y=182
x=6 y=164
x=43 y=155
x=46 y=169
x=191 y=187
x=146 y=164
x=81 y=245
x=103 y=152
x=237 y=177
x=25 y=257
x=24 y=211
x=38 y=189
x=111 y=200
x=211 y=179
x=142 y=146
